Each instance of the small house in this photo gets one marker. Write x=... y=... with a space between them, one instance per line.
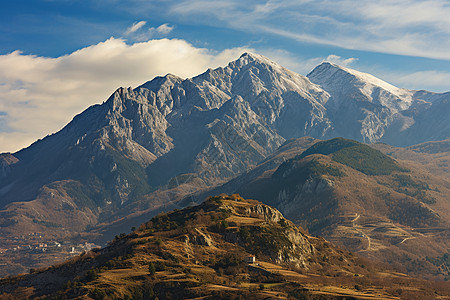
x=251 y=259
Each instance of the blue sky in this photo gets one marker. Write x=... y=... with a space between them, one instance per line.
x=57 y=57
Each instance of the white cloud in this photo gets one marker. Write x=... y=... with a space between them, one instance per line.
x=404 y=27
x=428 y=80
x=340 y=60
x=135 y=27
x=137 y=33
x=39 y=95
x=164 y=29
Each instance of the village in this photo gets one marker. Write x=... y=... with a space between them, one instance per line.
x=30 y=250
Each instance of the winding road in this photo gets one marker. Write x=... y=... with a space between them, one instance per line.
x=357 y=216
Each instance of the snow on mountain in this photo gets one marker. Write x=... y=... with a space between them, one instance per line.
x=369 y=109
x=343 y=82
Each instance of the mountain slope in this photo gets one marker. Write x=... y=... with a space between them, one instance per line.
x=365 y=108
x=345 y=85
x=359 y=198
x=202 y=251
x=433 y=156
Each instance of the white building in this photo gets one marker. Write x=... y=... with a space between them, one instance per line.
x=251 y=259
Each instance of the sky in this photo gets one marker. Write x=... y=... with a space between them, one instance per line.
x=58 y=57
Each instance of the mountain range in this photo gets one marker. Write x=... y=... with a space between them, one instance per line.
x=144 y=149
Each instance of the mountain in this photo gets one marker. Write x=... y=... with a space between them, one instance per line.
x=366 y=108
x=359 y=198
x=113 y=160
x=203 y=251
x=144 y=149
x=433 y=156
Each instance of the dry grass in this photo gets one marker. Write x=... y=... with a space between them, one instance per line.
x=188 y=268
x=244 y=220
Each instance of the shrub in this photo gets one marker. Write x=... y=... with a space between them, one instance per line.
x=97 y=294
x=151 y=269
x=91 y=275
x=220 y=226
x=159 y=266
x=141 y=242
x=68 y=284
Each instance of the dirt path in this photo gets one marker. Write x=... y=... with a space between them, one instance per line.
x=405 y=239
x=355 y=219
x=357 y=216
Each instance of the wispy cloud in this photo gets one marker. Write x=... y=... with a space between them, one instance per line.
x=404 y=27
x=430 y=80
x=340 y=60
x=135 y=27
x=138 y=32
x=39 y=95
x=163 y=29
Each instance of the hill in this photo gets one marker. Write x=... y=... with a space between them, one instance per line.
x=432 y=156
x=357 y=197
x=202 y=251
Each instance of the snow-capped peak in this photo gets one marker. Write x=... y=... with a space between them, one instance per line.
x=333 y=78
x=275 y=75
x=249 y=58
x=370 y=79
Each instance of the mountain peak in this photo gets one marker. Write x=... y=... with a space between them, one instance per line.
x=253 y=56
x=158 y=81
x=332 y=77
x=328 y=64
x=248 y=58
x=328 y=69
